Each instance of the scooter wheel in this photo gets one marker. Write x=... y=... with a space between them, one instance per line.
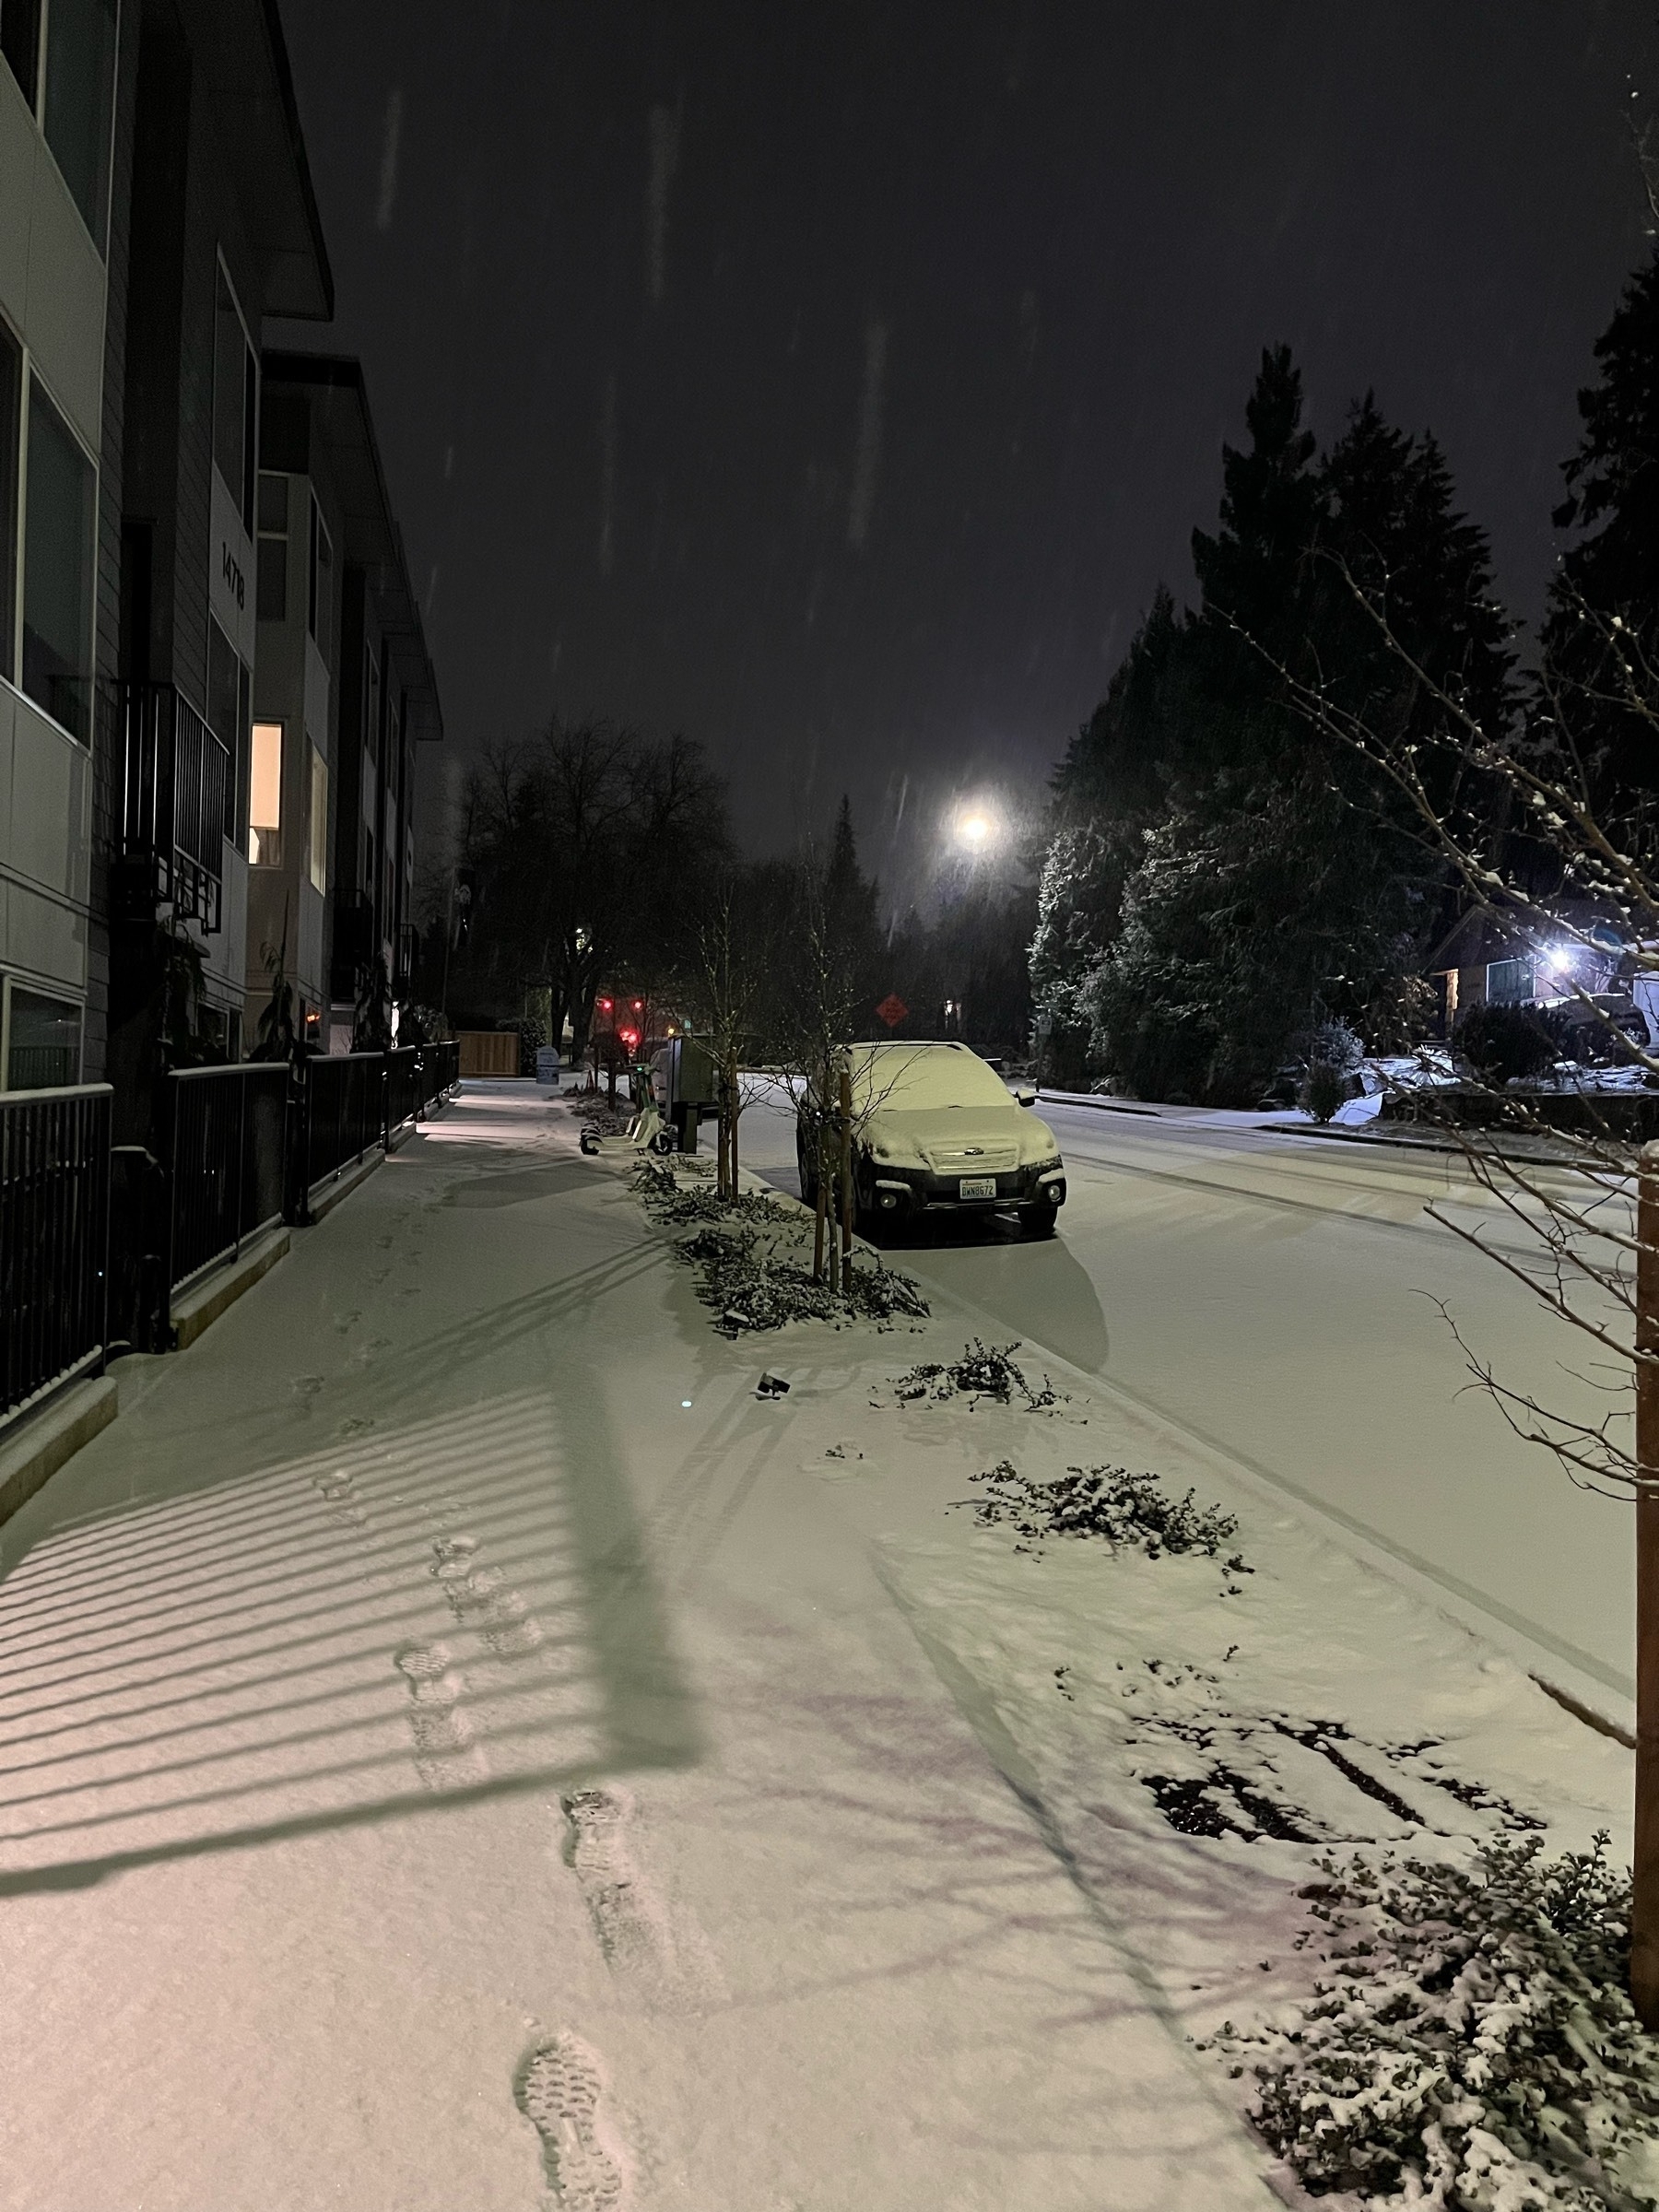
x=590 y=1143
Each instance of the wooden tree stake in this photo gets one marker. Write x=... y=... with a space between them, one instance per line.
x=1644 y=1905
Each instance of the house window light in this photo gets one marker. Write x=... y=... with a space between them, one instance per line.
x=265 y=795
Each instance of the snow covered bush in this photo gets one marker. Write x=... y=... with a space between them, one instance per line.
x=1324 y=1089
x=982 y=1372
x=1473 y=2047
x=1130 y=1512
x=755 y=1284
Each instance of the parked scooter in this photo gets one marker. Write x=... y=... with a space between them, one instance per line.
x=647 y=1132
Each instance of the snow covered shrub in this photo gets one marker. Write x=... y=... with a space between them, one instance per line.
x=1474 y=2047
x=1506 y=1044
x=1335 y=1045
x=982 y=1372
x=1130 y=1512
x=1324 y=1089
x=667 y=1199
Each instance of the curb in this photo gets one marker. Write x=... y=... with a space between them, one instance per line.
x=49 y=1437
x=201 y=1306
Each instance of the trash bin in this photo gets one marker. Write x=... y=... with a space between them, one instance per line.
x=686 y=1087
x=546 y=1065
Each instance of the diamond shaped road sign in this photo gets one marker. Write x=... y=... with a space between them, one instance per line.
x=893 y=1009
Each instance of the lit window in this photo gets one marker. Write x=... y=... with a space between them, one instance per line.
x=60 y=499
x=81 y=85
x=317 y=844
x=265 y=795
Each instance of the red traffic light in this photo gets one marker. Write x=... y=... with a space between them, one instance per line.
x=639 y=1002
x=628 y=1036
x=605 y=1006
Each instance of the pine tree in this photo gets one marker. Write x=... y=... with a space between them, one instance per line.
x=1610 y=570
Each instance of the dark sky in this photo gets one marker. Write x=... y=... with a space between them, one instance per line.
x=835 y=381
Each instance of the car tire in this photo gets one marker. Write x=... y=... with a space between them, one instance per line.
x=1038 y=1220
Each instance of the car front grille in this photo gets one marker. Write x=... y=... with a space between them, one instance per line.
x=983 y=1159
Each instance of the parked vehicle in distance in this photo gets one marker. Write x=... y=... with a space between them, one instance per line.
x=935 y=1131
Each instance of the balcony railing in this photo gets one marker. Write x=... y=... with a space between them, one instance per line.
x=175 y=787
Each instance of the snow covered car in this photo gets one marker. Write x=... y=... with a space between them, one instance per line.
x=935 y=1131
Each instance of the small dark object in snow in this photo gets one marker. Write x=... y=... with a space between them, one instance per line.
x=771 y=1386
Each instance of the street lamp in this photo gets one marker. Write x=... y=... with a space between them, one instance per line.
x=974 y=829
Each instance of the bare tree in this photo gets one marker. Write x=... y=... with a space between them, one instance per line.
x=1565 y=872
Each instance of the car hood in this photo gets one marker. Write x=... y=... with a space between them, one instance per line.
x=998 y=1137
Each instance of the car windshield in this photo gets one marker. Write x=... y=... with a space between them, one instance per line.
x=898 y=1079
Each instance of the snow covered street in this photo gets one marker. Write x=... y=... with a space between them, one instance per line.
x=1272 y=1299
x=461 y=1749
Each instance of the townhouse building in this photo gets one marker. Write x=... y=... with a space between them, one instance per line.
x=63 y=71
x=213 y=676
x=344 y=692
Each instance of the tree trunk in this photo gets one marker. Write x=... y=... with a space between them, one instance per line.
x=846 y=1183
x=1644 y=1902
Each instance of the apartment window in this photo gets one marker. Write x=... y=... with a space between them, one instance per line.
x=20 y=43
x=317 y=840
x=11 y=436
x=273 y=547
x=371 y=706
x=320 y=606
x=60 y=502
x=81 y=88
x=44 y=1038
x=265 y=795
x=235 y=402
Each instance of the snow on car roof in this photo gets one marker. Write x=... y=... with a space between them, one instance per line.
x=914 y=1078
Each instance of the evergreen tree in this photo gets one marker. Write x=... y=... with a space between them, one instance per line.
x=1609 y=571
x=1223 y=877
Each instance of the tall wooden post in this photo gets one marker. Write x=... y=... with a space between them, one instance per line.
x=1644 y=1903
x=735 y=1109
x=846 y=1181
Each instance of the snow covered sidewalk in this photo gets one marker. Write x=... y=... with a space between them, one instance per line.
x=459 y=1749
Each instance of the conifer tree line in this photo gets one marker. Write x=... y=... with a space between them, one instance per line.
x=1222 y=878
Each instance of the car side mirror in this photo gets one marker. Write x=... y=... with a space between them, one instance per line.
x=1025 y=1094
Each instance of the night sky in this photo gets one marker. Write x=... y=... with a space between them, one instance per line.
x=835 y=381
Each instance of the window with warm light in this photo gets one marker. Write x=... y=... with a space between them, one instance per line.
x=265 y=795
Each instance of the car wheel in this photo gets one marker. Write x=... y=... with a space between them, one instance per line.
x=1038 y=1220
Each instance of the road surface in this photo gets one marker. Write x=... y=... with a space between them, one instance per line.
x=1276 y=1296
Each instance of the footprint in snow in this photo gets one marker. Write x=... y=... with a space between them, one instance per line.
x=561 y=2090
x=445 y=1755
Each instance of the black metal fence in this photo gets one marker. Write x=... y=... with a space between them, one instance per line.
x=236 y=1149
x=228 y=1167
x=54 y=1234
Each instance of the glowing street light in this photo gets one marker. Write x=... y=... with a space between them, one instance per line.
x=975 y=830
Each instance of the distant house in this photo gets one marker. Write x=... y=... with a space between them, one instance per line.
x=1478 y=962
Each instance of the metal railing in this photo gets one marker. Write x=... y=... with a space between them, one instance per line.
x=96 y=1240
x=54 y=1234
x=175 y=781
x=342 y=1114
x=228 y=1144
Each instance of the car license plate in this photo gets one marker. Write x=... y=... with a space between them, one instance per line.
x=977 y=1186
